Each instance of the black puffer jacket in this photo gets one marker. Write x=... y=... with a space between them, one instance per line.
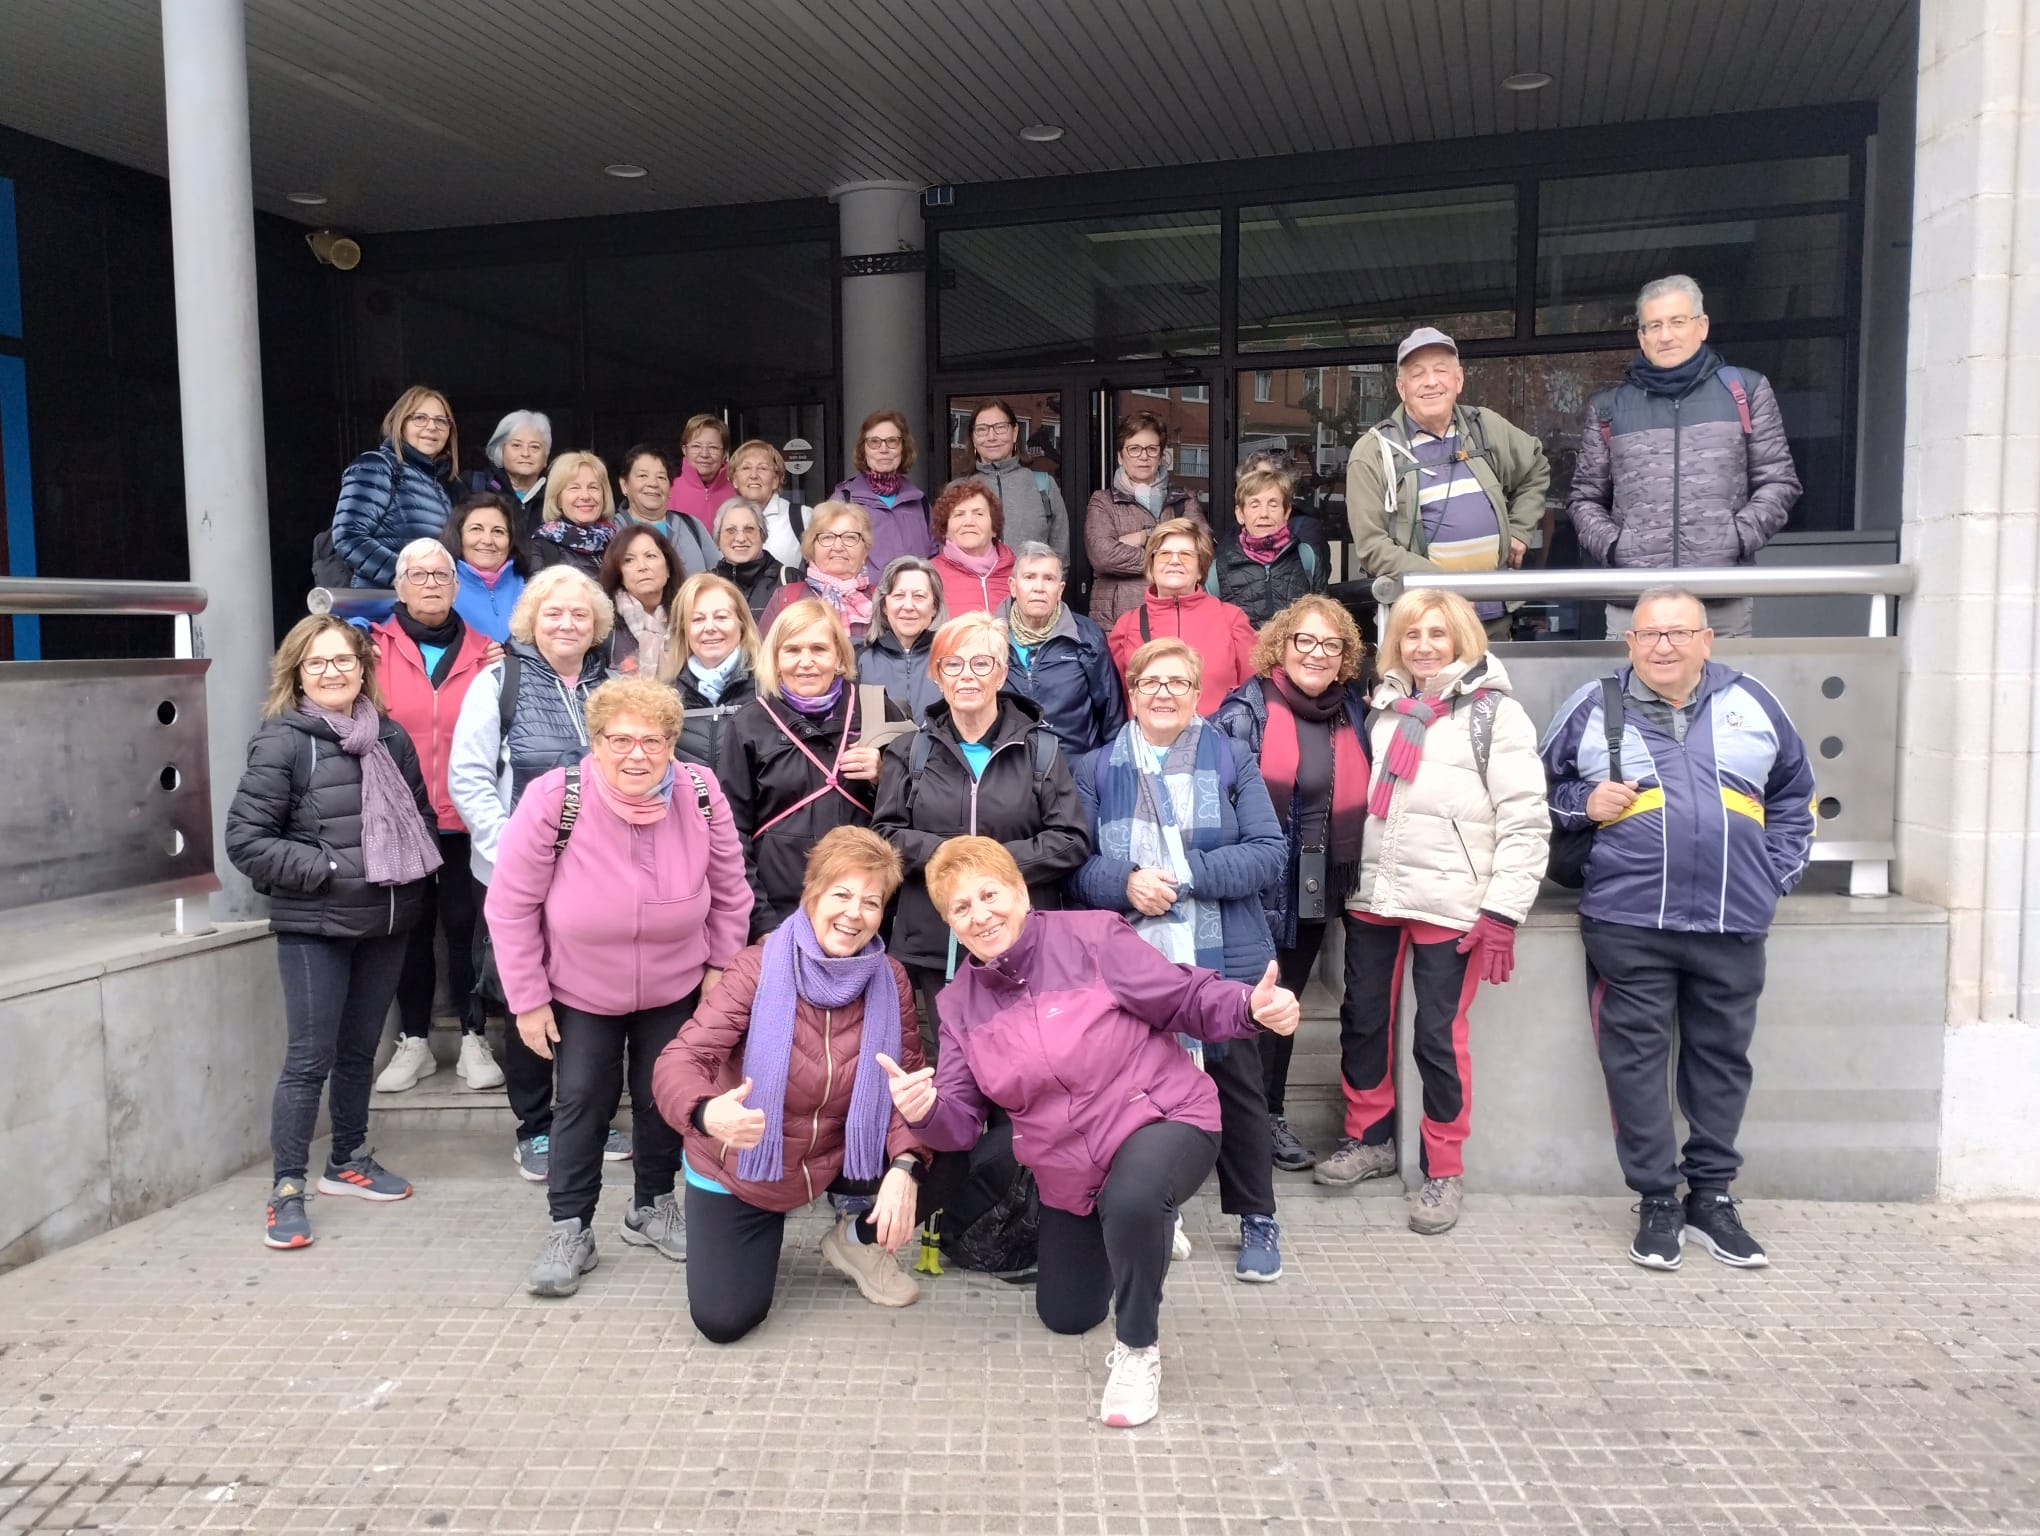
x=759 y=580
x=1036 y=815
x=701 y=736
x=294 y=829
x=763 y=774
x=1262 y=591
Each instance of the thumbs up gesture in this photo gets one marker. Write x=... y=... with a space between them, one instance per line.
x=730 y=1123
x=1274 y=1008
x=913 y=1093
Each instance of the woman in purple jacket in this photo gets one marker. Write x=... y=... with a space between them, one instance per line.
x=1067 y=1020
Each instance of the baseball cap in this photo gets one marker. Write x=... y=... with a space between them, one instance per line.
x=1425 y=336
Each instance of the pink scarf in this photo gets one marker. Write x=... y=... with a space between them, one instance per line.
x=850 y=596
x=1406 y=747
x=490 y=578
x=1264 y=549
x=886 y=482
x=638 y=810
x=977 y=565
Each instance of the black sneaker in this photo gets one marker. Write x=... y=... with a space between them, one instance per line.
x=1711 y=1217
x=1291 y=1155
x=1657 y=1234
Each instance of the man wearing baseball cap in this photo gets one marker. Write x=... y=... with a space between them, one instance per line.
x=1438 y=486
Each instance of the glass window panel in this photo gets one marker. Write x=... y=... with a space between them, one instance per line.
x=1764 y=241
x=1363 y=270
x=494 y=331
x=1315 y=415
x=1040 y=437
x=1129 y=287
x=757 y=317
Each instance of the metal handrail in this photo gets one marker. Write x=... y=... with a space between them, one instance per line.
x=349 y=602
x=65 y=594
x=1615 y=585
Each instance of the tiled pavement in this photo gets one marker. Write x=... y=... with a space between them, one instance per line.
x=1516 y=1377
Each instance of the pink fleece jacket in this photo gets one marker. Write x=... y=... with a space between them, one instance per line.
x=627 y=917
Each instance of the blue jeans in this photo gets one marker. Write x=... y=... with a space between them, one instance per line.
x=336 y=995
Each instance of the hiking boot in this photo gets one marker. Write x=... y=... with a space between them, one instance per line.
x=364 y=1178
x=1711 y=1217
x=413 y=1060
x=658 y=1225
x=1658 y=1233
x=1260 y=1259
x=533 y=1157
x=477 y=1065
x=874 y=1270
x=1179 y=1241
x=1353 y=1162
x=286 y=1225
x=1434 y=1209
x=1291 y=1155
x=1133 y=1392
x=569 y=1253
x=616 y=1147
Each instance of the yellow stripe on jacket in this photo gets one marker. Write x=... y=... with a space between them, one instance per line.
x=1652 y=799
x=1741 y=803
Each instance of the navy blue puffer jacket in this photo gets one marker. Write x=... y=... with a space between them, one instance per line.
x=386 y=501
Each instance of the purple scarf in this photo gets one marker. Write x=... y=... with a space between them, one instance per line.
x=396 y=845
x=820 y=704
x=886 y=482
x=796 y=968
x=1264 y=550
x=1406 y=747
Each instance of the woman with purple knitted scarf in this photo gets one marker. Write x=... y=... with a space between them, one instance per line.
x=777 y=1079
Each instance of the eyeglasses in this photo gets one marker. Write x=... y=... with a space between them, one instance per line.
x=341 y=666
x=1648 y=638
x=838 y=540
x=980 y=666
x=1673 y=323
x=1174 y=687
x=1170 y=554
x=1142 y=450
x=1313 y=645
x=422 y=419
x=429 y=578
x=993 y=429
x=623 y=746
x=884 y=442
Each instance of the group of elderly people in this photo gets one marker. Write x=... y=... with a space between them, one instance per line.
x=935 y=860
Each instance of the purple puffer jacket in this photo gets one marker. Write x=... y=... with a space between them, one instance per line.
x=1072 y=1032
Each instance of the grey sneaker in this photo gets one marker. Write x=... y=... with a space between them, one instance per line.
x=364 y=1178
x=658 y=1225
x=616 y=1147
x=569 y=1254
x=533 y=1157
x=1291 y=1155
x=1435 y=1208
x=1353 y=1162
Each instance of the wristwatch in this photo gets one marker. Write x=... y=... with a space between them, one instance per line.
x=910 y=1165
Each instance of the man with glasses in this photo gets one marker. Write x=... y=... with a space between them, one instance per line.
x=1709 y=822
x=1685 y=462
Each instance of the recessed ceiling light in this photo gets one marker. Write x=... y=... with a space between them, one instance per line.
x=1528 y=80
x=308 y=199
x=1041 y=133
x=623 y=170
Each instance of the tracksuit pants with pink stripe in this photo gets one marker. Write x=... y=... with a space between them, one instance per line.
x=1377 y=952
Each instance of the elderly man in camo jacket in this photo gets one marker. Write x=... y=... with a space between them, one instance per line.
x=1685 y=462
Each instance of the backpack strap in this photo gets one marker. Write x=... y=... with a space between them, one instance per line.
x=831 y=781
x=506 y=700
x=1611 y=722
x=1146 y=634
x=1740 y=391
x=917 y=755
x=570 y=809
x=700 y=791
x=1044 y=745
x=1044 y=483
x=1309 y=558
x=1481 y=727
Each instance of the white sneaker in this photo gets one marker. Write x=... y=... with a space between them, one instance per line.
x=477 y=1065
x=1179 y=1245
x=1133 y=1392
x=414 y=1059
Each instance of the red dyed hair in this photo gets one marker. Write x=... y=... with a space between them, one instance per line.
x=954 y=497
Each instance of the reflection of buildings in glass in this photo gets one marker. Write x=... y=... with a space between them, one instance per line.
x=1186 y=411
x=1038 y=416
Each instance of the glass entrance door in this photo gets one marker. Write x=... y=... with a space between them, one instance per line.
x=1191 y=437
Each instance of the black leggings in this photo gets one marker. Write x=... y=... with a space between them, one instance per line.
x=1294 y=966
x=1118 y=1255
x=589 y=1060
x=450 y=903
x=733 y=1247
x=1246 y=1145
x=527 y=1076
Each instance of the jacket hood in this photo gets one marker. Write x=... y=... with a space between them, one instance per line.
x=1018 y=715
x=1462 y=679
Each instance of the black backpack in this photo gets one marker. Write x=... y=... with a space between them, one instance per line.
x=1571 y=845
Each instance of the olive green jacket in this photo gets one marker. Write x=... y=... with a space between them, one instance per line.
x=1388 y=531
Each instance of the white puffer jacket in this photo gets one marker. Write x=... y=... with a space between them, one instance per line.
x=1454 y=843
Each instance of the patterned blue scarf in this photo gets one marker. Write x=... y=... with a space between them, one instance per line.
x=1138 y=808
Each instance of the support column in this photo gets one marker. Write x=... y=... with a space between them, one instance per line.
x=219 y=371
x=1969 y=787
x=885 y=329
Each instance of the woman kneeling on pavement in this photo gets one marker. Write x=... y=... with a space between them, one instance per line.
x=1456 y=841
x=777 y=1079
x=617 y=901
x=1108 y=1110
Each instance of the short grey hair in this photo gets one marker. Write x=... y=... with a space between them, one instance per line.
x=418 y=552
x=730 y=505
x=1678 y=282
x=516 y=422
x=1668 y=593
x=1034 y=549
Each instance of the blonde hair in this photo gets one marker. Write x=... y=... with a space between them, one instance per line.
x=825 y=516
x=1273 y=641
x=962 y=857
x=705 y=419
x=793 y=619
x=851 y=850
x=1169 y=529
x=652 y=702
x=563 y=469
x=683 y=608
x=1168 y=645
x=1256 y=482
x=408 y=402
x=286 y=686
x=541 y=588
x=1469 y=636
x=752 y=445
